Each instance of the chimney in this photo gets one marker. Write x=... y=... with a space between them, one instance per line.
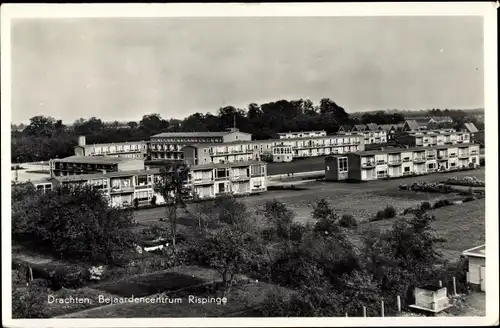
x=81 y=141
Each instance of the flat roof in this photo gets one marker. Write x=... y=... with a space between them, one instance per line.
x=224 y=165
x=113 y=144
x=82 y=177
x=194 y=134
x=478 y=251
x=96 y=159
x=242 y=142
x=282 y=133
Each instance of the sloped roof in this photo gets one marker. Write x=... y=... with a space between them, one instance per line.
x=372 y=126
x=413 y=124
x=471 y=127
x=359 y=127
x=387 y=127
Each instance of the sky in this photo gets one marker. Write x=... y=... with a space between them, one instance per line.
x=123 y=68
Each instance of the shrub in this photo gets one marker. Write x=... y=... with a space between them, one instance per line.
x=379 y=216
x=442 y=203
x=425 y=206
x=153 y=200
x=389 y=212
x=348 y=221
x=468 y=199
x=69 y=277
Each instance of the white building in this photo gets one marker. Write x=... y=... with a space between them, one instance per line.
x=476 y=274
x=130 y=149
x=301 y=134
x=397 y=162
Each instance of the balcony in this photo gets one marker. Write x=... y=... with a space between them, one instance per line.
x=369 y=165
x=119 y=189
x=419 y=160
x=452 y=155
x=240 y=178
x=442 y=157
x=381 y=162
x=407 y=173
x=474 y=152
x=406 y=159
x=395 y=162
x=139 y=187
x=202 y=181
x=221 y=178
x=463 y=156
x=431 y=156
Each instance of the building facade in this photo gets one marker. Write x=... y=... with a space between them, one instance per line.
x=273 y=148
x=169 y=145
x=78 y=165
x=398 y=162
x=213 y=180
x=433 y=138
x=476 y=273
x=131 y=149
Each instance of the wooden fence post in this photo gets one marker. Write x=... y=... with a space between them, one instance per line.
x=454 y=286
x=398 y=298
x=382 y=309
x=364 y=311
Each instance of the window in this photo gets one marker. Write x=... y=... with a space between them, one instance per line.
x=141 y=195
x=431 y=166
x=221 y=173
x=407 y=169
x=221 y=187
x=342 y=164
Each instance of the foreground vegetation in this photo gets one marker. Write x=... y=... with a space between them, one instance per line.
x=327 y=268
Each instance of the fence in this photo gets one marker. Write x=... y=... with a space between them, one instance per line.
x=394 y=306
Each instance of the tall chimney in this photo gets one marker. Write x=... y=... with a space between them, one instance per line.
x=81 y=141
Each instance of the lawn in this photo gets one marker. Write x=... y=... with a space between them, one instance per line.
x=241 y=298
x=462 y=226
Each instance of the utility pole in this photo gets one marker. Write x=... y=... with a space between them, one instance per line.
x=234 y=120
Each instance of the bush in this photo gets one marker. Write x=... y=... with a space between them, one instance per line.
x=153 y=200
x=468 y=199
x=425 y=206
x=348 y=221
x=72 y=278
x=442 y=203
x=389 y=212
x=379 y=216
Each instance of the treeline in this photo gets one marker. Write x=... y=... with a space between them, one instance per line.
x=45 y=137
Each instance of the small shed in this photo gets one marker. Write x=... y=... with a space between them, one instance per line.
x=431 y=299
x=477 y=267
x=336 y=168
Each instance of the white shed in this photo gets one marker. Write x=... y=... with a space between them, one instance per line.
x=477 y=266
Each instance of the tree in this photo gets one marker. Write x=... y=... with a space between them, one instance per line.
x=28 y=301
x=281 y=218
x=40 y=126
x=171 y=186
x=74 y=223
x=133 y=125
x=153 y=123
x=231 y=251
x=327 y=220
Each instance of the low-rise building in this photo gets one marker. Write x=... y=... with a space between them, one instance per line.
x=280 y=150
x=301 y=134
x=397 y=162
x=476 y=274
x=169 y=145
x=78 y=165
x=130 y=149
x=433 y=138
x=213 y=180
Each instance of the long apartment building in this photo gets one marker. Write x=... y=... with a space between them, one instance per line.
x=433 y=138
x=169 y=145
x=130 y=149
x=279 y=150
x=122 y=180
x=397 y=162
x=78 y=165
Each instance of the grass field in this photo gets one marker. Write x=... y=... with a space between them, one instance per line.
x=462 y=226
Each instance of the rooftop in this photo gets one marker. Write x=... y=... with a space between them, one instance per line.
x=113 y=144
x=284 y=133
x=478 y=251
x=85 y=177
x=95 y=159
x=224 y=165
x=194 y=134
